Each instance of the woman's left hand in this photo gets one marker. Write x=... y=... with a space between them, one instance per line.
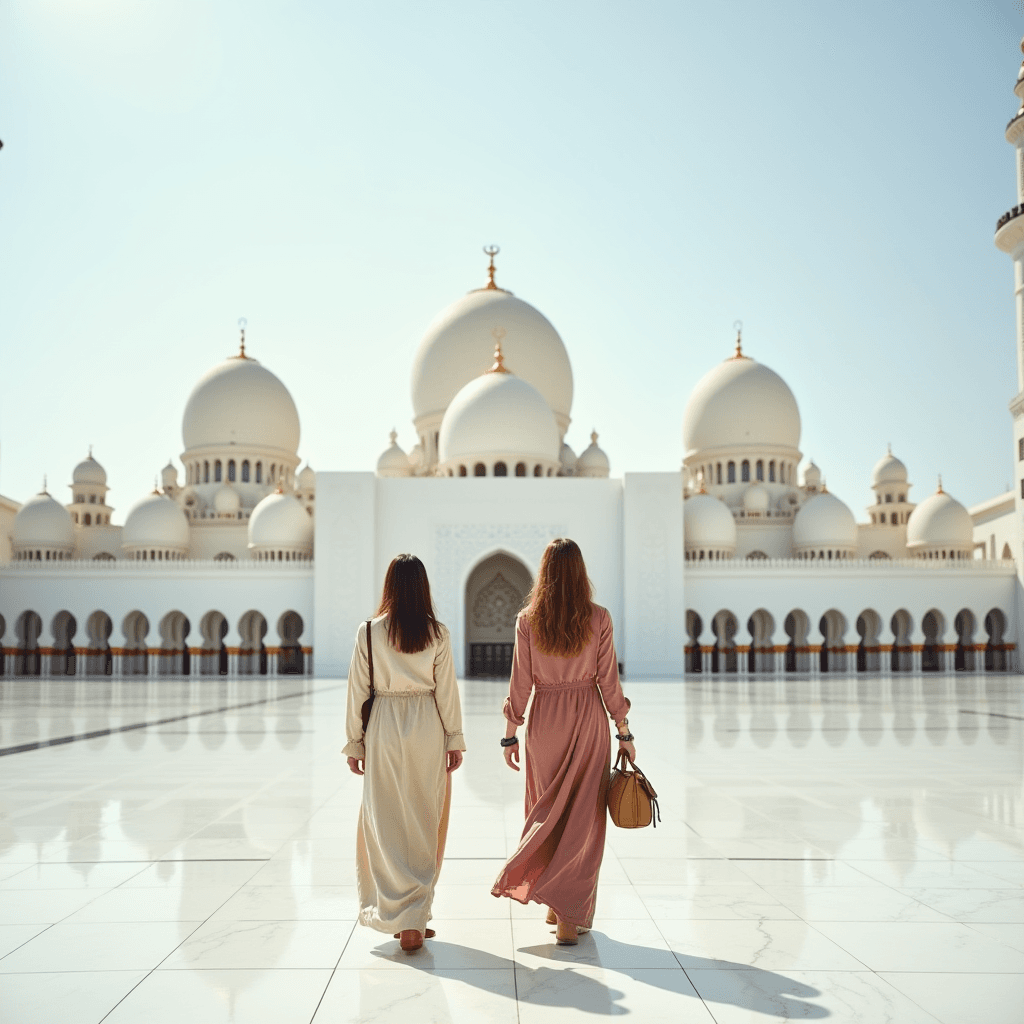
x=355 y=765
x=454 y=760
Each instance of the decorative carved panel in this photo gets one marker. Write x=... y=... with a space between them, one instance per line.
x=497 y=604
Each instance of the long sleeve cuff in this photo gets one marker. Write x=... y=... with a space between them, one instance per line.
x=508 y=711
x=454 y=741
x=354 y=748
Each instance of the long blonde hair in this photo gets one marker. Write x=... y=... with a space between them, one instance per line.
x=560 y=606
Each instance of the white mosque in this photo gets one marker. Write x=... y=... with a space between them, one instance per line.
x=737 y=563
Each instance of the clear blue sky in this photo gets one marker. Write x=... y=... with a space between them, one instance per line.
x=829 y=173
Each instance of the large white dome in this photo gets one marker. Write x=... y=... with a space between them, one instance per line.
x=241 y=402
x=499 y=415
x=824 y=522
x=280 y=521
x=940 y=521
x=156 y=522
x=43 y=522
x=740 y=403
x=457 y=345
x=708 y=523
x=89 y=471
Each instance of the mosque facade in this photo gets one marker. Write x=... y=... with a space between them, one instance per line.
x=739 y=562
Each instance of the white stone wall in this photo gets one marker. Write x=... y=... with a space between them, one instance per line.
x=652 y=640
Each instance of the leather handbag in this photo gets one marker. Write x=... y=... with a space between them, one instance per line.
x=632 y=801
x=368 y=703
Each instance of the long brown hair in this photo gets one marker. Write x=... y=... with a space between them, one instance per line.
x=405 y=600
x=559 y=606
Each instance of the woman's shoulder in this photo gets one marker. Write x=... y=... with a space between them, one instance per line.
x=600 y=612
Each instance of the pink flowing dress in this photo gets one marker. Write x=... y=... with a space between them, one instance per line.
x=567 y=760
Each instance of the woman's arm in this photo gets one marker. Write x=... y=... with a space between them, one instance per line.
x=608 y=680
x=519 y=688
x=358 y=693
x=446 y=695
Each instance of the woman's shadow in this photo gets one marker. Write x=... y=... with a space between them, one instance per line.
x=718 y=981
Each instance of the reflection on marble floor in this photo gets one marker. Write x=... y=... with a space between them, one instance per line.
x=845 y=848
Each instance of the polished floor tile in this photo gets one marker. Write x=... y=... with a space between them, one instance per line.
x=963 y=998
x=223 y=997
x=825 y=851
x=83 y=997
x=426 y=995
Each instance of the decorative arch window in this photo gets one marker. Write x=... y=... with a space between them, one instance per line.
x=259 y=472
x=731 y=472
x=718 y=472
x=218 y=471
x=231 y=470
x=500 y=469
x=245 y=471
x=759 y=469
x=462 y=470
x=206 y=471
x=520 y=469
x=745 y=471
x=537 y=471
x=479 y=469
x=771 y=471
x=92 y=499
x=894 y=519
x=888 y=499
x=87 y=519
x=224 y=556
x=757 y=556
x=902 y=498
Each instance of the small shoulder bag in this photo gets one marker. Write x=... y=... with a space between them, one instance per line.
x=632 y=801
x=368 y=703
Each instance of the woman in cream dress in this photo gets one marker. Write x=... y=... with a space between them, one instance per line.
x=412 y=744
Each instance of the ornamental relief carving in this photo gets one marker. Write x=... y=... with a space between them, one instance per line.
x=497 y=604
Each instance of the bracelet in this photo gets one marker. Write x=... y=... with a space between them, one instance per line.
x=510 y=741
x=628 y=738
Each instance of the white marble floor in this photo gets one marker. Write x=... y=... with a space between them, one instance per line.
x=840 y=848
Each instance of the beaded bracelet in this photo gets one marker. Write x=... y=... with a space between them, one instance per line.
x=510 y=741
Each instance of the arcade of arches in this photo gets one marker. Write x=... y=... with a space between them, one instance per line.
x=170 y=646
x=972 y=642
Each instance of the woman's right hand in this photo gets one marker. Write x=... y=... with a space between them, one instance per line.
x=355 y=765
x=627 y=746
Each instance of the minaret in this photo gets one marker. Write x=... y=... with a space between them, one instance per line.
x=1010 y=239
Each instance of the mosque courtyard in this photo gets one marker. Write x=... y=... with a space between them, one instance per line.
x=846 y=848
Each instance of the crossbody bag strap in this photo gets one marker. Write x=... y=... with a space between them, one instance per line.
x=369 y=652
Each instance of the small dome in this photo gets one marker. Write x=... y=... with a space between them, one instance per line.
x=756 y=498
x=89 y=472
x=708 y=523
x=227 y=501
x=460 y=339
x=888 y=470
x=940 y=521
x=592 y=460
x=280 y=521
x=568 y=459
x=812 y=475
x=740 y=403
x=499 y=415
x=156 y=522
x=823 y=521
x=307 y=478
x=43 y=522
x=241 y=402
x=393 y=461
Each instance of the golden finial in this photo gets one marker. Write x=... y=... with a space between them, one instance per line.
x=492 y=251
x=499 y=358
x=90 y=451
x=738 y=327
x=593 y=437
x=242 y=324
x=393 y=435
x=156 y=490
x=888 y=447
x=44 y=490
x=940 y=490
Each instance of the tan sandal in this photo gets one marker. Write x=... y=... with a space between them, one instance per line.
x=411 y=939
x=552 y=917
x=566 y=934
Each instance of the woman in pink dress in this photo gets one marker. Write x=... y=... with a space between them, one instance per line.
x=565 y=656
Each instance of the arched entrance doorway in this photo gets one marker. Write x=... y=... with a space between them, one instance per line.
x=495 y=592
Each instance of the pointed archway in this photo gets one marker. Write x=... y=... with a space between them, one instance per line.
x=495 y=592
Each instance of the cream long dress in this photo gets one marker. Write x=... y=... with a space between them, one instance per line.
x=403 y=821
